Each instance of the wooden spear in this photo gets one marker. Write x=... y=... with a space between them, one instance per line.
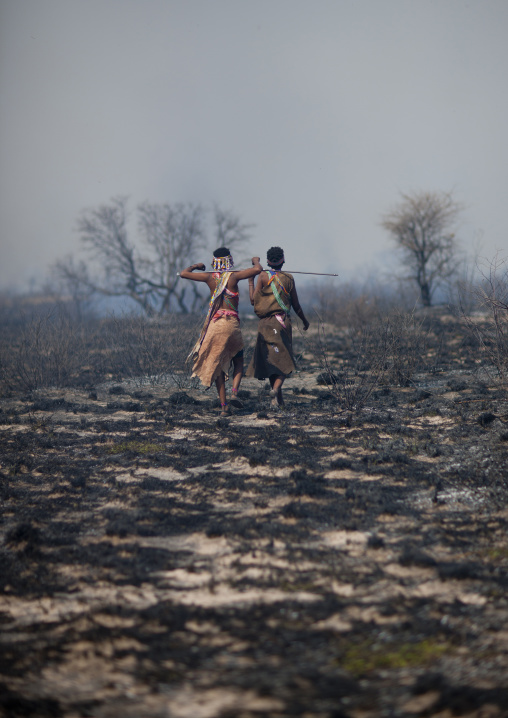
x=316 y=274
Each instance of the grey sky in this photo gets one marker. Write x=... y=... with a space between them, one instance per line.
x=307 y=117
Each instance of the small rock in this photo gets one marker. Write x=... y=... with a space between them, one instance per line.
x=23 y=532
x=180 y=397
x=340 y=463
x=142 y=395
x=422 y=394
x=458 y=570
x=486 y=418
x=324 y=396
x=428 y=682
x=456 y=384
x=415 y=557
x=375 y=542
x=328 y=378
x=47 y=404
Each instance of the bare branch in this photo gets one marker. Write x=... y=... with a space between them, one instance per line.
x=230 y=231
x=172 y=236
x=420 y=226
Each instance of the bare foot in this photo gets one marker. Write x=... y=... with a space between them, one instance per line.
x=274 y=399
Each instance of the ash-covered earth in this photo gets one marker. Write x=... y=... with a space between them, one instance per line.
x=159 y=561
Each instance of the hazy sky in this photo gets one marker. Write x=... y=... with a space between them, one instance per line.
x=307 y=117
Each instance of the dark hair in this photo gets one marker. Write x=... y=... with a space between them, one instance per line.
x=275 y=256
x=222 y=252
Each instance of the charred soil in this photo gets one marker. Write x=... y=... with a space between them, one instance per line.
x=158 y=560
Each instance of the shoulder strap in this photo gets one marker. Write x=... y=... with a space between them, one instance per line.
x=212 y=307
x=275 y=284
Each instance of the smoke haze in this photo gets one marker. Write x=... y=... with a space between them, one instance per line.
x=307 y=118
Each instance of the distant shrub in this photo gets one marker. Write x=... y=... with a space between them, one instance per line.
x=150 y=350
x=53 y=347
x=346 y=304
x=42 y=348
x=405 y=340
x=389 y=349
x=489 y=327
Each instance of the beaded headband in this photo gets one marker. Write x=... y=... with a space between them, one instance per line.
x=221 y=264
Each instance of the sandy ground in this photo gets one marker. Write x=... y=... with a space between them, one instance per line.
x=157 y=560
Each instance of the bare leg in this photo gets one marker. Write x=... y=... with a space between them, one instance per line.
x=276 y=382
x=220 y=383
x=237 y=378
x=237 y=373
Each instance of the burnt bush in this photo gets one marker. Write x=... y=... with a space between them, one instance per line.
x=52 y=347
x=152 y=350
x=356 y=303
x=41 y=348
x=489 y=329
x=388 y=349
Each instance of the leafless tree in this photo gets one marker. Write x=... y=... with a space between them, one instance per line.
x=230 y=231
x=172 y=236
x=421 y=227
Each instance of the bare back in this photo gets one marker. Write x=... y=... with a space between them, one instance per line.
x=211 y=278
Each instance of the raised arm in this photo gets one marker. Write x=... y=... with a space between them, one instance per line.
x=250 y=272
x=247 y=274
x=201 y=277
x=298 y=310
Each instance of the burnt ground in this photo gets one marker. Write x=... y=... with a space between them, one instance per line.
x=156 y=560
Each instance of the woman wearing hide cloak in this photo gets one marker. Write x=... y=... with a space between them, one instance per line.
x=273 y=297
x=220 y=341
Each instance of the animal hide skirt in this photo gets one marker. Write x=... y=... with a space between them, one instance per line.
x=273 y=353
x=222 y=341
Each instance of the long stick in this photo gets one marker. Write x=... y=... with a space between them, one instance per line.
x=316 y=274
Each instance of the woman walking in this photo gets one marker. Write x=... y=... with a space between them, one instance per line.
x=272 y=298
x=220 y=341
